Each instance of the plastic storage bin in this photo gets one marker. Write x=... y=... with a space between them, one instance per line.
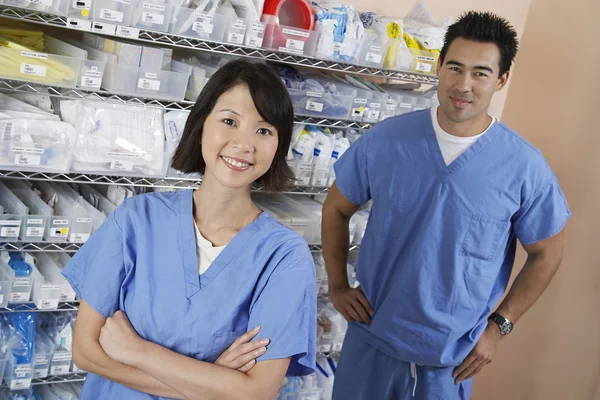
x=255 y=35
x=45 y=293
x=41 y=365
x=323 y=105
x=199 y=24
x=290 y=40
x=338 y=48
x=132 y=81
x=236 y=31
x=17 y=376
x=7 y=277
x=152 y=15
x=31 y=66
x=60 y=363
x=3 y=363
x=34 y=225
x=373 y=52
x=112 y=11
x=11 y=224
x=58 y=7
x=80 y=9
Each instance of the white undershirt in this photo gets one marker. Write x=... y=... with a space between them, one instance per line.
x=205 y=251
x=452 y=146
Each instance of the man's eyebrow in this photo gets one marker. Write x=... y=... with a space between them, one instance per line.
x=480 y=67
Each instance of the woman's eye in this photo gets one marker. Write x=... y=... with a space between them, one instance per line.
x=264 y=131
x=229 y=121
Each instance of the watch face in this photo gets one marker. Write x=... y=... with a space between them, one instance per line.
x=506 y=328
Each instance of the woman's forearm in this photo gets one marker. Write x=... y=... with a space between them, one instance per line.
x=93 y=359
x=205 y=381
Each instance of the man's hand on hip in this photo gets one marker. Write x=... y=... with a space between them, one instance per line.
x=481 y=355
x=352 y=304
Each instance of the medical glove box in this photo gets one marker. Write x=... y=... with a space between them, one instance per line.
x=18 y=376
x=286 y=39
x=57 y=7
x=154 y=15
x=199 y=24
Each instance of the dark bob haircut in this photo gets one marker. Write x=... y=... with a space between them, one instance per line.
x=485 y=27
x=272 y=102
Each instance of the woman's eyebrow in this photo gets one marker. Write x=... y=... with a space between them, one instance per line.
x=231 y=111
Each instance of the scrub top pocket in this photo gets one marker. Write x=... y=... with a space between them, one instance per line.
x=483 y=237
x=222 y=341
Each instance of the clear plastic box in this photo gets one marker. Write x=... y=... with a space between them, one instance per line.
x=7 y=277
x=31 y=66
x=198 y=24
x=45 y=293
x=152 y=15
x=58 y=7
x=112 y=11
x=374 y=108
x=60 y=363
x=17 y=376
x=323 y=105
x=255 y=35
x=287 y=39
x=41 y=365
x=338 y=48
x=34 y=226
x=66 y=292
x=196 y=81
x=236 y=31
x=400 y=58
x=373 y=52
x=80 y=9
x=132 y=81
x=3 y=363
x=90 y=77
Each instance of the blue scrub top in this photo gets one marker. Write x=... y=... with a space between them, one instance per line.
x=143 y=261
x=441 y=240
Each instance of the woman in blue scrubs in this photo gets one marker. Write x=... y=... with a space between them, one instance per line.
x=170 y=280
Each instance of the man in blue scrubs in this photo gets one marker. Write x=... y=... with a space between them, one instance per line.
x=452 y=191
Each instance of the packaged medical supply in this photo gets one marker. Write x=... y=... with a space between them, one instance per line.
x=324 y=145
x=326 y=367
x=19 y=369
x=303 y=149
x=174 y=125
x=14 y=212
x=22 y=265
x=7 y=277
x=44 y=348
x=48 y=283
x=342 y=144
x=120 y=139
x=59 y=328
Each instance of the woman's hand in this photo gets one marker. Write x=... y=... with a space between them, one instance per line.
x=242 y=354
x=119 y=340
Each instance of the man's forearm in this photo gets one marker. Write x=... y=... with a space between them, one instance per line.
x=529 y=285
x=336 y=244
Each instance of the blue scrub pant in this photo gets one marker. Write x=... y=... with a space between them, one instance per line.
x=365 y=373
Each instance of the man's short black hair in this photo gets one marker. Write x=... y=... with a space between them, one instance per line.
x=485 y=27
x=272 y=102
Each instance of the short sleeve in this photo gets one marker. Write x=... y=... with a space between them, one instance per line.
x=544 y=215
x=351 y=176
x=97 y=270
x=286 y=310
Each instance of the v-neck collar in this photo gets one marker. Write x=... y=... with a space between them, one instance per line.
x=436 y=151
x=193 y=281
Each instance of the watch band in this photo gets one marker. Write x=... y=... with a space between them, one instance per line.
x=505 y=325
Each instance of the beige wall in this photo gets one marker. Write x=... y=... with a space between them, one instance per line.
x=554 y=353
x=513 y=10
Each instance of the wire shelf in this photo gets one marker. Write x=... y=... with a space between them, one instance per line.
x=30 y=307
x=69 y=378
x=228 y=49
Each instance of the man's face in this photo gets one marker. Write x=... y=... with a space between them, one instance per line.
x=468 y=79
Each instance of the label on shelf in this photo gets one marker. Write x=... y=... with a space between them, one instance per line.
x=30 y=69
x=84 y=220
x=405 y=105
x=391 y=107
x=30 y=150
x=373 y=58
x=255 y=41
x=373 y=114
x=111 y=15
x=423 y=67
x=79 y=237
x=91 y=82
x=27 y=159
x=202 y=15
x=127 y=32
x=121 y=165
x=314 y=106
x=34 y=232
x=107 y=29
x=150 y=75
x=156 y=7
x=47 y=3
x=35 y=221
x=239 y=24
x=124 y=155
x=358 y=111
x=314 y=94
x=291 y=51
x=82 y=4
x=62 y=356
x=33 y=54
x=40 y=373
x=294 y=32
x=47 y=304
x=60 y=222
x=374 y=48
x=18 y=384
x=148 y=84
x=426 y=58
x=7 y=222
x=60 y=233
x=59 y=369
x=10 y=231
x=236 y=38
x=66 y=297
x=18 y=297
x=324 y=348
x=124 y=1
x=79 y=24
x=292 y=44
x=153 y=18
x=375 y=105
x=337 y=347
x=257 y=27
x=419 y=108
x=360 y=101
x=22 y=282
x=203 y=27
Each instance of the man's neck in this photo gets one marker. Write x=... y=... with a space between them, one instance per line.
x=473 y=127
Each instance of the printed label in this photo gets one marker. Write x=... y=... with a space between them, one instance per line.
x=35 y=70
x=59 y=370
x=111 y=15
x=127 y=32
x=82 y=4
x=148 y=84
x=47 y=3
x=79 y=24
x=236 y=38
x=64 y=297
x=107 y=29
x=295 y=33
x=7 y=222
x=360 y=101
x=59 y=233
x=18 y=297
x=405 y=105
x=239 y=24
x=255 y=41
x=153 y=18
x=358 y=112
x=314 y=94
x=18 y=384
x=150 y=75
x=291 y=51
x=156 y=7
x=30 y=150
x=40 y=373
x=27 y=159
x=257 y=28
x=60 y=222
x=79 y=238
x=34 y=232
x=33 y=54
x=124 y=155
x=121 y=165
x=294 y=44
x=373 y=114
x=36 y=221
x=423 y=67
x=391 y=107
x=47 y=304
x=374 y=48
x=426 y=58
x=203 y=27
x=419 y=108
x=10 y=232
x=22 y=282
x=324 y=348
x=91 y=82
x=84 y=220
x=62 y=356
x=201 y=15
x=375 y=105
x=7 y=131
x=124 y=1
x=337 y=347
x=373 y=58
x=314 y=106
